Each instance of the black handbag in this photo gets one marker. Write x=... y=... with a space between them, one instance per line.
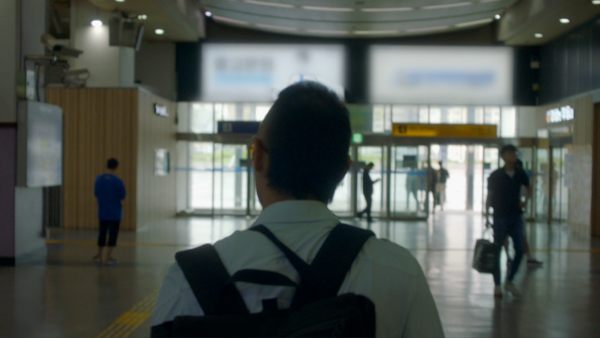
x=486 y=257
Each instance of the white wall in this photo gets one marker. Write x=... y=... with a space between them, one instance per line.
x=28 y=221
x=155 y=67
x=8 y=60
x=108 y=66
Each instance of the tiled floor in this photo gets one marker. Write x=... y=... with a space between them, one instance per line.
x=63 y=294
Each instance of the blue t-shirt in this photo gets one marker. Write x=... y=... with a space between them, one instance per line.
x=110 y=191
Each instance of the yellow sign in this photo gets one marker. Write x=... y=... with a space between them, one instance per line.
x=444 y=130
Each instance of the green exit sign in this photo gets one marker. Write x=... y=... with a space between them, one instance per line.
x=357 y=138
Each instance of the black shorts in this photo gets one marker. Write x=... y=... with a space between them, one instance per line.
x=112 y=227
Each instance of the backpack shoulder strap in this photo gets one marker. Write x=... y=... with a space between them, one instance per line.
x=208 y=277
x=335 y=258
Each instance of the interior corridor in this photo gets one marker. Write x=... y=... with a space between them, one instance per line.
x=67 y=295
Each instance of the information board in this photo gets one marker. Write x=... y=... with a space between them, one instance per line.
x=444 y=130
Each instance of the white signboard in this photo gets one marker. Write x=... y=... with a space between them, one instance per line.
x=258 y=72
x=562 y=114
x=40 y=145
x=441 y=75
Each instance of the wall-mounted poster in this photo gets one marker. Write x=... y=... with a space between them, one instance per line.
x=162 y=165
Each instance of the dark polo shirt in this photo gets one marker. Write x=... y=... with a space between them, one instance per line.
x=506 y=192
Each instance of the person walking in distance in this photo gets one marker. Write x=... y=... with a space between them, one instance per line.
x=504 y=187
x=368 y=191
x=443 y=176
x=109 y=191
x=531 y=261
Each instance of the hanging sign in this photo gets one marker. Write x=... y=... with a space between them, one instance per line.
x=444 y=130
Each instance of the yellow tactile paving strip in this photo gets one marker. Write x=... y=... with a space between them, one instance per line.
x=132 y=319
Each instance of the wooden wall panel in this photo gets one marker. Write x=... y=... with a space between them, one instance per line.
x=156 y=194
x=98 y=124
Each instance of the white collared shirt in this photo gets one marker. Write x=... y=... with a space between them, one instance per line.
x=383 y=271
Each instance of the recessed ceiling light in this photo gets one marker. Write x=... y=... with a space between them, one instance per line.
x=159 y=31
x=538 y=35
x=120 y=0
x=497 y=16
x=142 y=17
x=96 y=23
x=564 y=21
x=208 y=14
x=595 y=2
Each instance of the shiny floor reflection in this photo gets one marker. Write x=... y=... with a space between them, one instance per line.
x=62 y=294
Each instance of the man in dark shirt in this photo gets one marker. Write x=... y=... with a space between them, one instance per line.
x=109 y=191
x=443 y=176
x=368 y=191
x=504 y=187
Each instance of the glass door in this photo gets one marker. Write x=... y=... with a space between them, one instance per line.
x=560 y=184
x=230 y=183
x=409 y=182
x=491 y=161
x=526 y=155
x=375 y=155
x=543 y=179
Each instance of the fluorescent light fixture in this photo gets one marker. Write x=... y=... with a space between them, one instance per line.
x=262 y=3
x=321 y=31
x=393 y=9
x=474 y=23
x=328 y=9
x=96 y=23
x=376 y=32
x=460 y=4
x=208 y=14
x=428 y=29
x=281 y=28
x=159 y=31
x=595 y=2
x=220 y=18
x=497 y=16
x=538 y=35
x=564 y=21
x=120 y=0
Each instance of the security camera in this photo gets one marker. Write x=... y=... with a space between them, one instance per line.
x=57 y=49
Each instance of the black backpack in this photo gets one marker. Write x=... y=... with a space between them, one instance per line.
x=316 y=309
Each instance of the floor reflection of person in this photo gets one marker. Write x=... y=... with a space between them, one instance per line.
x=368 y=191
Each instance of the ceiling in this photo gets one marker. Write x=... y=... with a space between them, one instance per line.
x=356 y=18
x=181 y=20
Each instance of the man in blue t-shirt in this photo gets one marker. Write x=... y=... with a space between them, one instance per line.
x=109 y=191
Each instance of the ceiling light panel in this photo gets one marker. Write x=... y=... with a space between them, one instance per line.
x=376 y=32
x=396 y=9
x=279 y=28
x=328 y=9
x=475 y=23
x=460 y=4
x=322 y=31
x=428 y=29
x=224 y=19
x=263 y=3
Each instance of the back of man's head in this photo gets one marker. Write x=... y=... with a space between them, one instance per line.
x=308 y=135
x=112 y=164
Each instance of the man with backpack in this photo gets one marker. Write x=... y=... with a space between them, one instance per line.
x=297 y=271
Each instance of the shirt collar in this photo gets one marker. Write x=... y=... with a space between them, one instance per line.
x=295 y=212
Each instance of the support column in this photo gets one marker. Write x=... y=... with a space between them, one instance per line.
x=470 y=164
